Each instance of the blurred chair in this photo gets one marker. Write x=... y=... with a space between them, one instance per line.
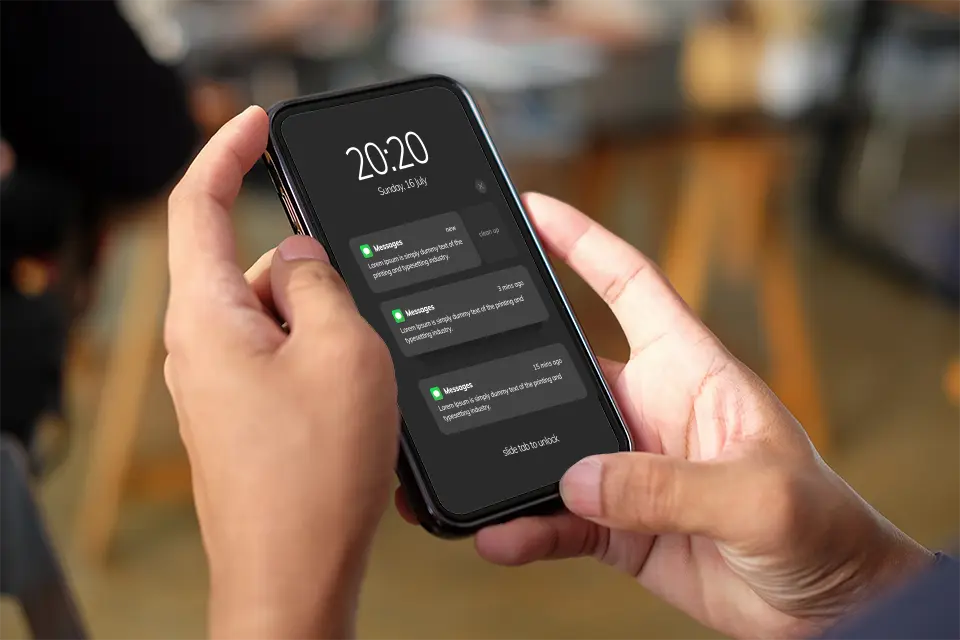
x=734 y=174
x=933 y=25
x=135 y=355
x=30 y=571
x=259 y=52
x=736 y=155
x=561 y=90
x=899 y=86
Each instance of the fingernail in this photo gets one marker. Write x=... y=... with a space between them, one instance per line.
x=580 y=487
x=301 y=248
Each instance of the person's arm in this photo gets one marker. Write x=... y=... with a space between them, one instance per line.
x=290 y=478
x=725 y=510
x=926 y=608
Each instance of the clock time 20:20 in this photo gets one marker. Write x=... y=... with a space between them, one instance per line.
x=378 y=159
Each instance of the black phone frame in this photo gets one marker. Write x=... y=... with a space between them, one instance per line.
x=303 y=219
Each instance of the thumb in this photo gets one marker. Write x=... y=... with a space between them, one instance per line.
x=651 y=493
x=307 y=290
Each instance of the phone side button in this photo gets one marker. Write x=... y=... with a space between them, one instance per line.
x=291 y=216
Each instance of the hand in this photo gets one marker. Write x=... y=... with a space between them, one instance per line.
x=726 y=511
x=291 y=437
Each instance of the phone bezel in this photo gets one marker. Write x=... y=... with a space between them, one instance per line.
x=303 y=219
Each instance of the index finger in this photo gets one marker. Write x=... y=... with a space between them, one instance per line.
x=644 y=303
x=525 y=540
x=201 y=243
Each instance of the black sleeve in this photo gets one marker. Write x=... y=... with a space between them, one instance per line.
x=82 y=99
x=928 y=608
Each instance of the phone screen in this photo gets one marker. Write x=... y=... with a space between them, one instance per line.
x=496 y=390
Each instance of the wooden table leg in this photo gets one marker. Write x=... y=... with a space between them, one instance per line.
x=749 y=168
x=686 y=258
x=595 y=176
x=724 y=205
x=793 y=372
x=951 y=381
x=130 y=364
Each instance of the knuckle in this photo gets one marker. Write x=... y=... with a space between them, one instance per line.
x=313 y=276
x=314 y=271
x=659 y=485
x=640 y=492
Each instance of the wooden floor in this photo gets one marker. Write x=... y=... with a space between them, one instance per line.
x=882 y=353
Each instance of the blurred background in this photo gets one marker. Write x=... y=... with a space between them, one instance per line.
x=792 y=166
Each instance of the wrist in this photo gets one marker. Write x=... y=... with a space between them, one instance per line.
x=903 y=559
x=859 y=555
x=277 y=595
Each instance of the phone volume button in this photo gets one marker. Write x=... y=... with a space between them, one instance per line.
x=291 y=214
x=271 y=171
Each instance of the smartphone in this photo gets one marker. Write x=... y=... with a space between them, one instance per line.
x=498 y=389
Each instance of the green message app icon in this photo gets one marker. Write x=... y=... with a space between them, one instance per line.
x=436 y=393
x=398 y=316
x=366 y=251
